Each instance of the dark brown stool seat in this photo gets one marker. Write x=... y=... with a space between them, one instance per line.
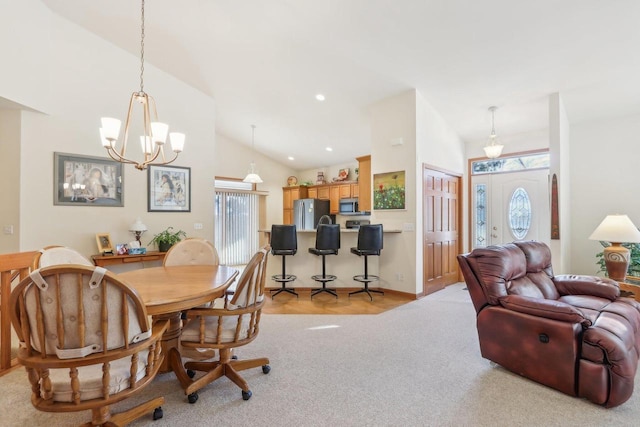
x=327 y=243
x=284 y=242
x=369 y=244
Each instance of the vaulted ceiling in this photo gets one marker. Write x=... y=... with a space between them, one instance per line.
x=265 y=60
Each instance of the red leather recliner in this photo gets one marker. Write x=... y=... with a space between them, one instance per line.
x=572 y=333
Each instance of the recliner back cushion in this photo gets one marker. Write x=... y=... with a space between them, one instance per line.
x=504 y=270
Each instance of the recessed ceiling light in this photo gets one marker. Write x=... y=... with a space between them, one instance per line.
x=290 y=158
x=329 y=149
x=320 y=97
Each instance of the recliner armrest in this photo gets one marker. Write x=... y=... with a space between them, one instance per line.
x=549 y=309
x=571 y=284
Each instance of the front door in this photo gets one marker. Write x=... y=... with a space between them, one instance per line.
x=510 y=206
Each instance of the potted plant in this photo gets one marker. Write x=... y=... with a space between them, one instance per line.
x=167 y=238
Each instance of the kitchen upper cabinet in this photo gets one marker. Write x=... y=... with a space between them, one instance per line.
x=334 y=199
x=355 y=190
x=364 y=183
x=312 y=192
x=323 y=192
x=345 y=191
x=289 y=195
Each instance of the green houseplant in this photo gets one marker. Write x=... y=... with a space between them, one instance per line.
x=167 y=238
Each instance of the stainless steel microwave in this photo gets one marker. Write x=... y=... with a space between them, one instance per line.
x=348 y=206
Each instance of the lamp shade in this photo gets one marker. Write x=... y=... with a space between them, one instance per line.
x=138 y=226
x=616 y=229
x=493 y=151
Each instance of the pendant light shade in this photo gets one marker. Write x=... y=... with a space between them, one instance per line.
x=253 y=176
x=493 y=149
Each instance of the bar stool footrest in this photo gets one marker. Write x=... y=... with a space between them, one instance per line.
x=366 y=279
x=283 y=278
x=324 y=279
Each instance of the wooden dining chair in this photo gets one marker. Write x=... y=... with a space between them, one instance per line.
x=192 y=251
x=225 y=329
x=86 y=342
x=55 y=255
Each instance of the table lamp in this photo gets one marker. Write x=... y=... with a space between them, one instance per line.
x=137 y=228
x=616 y=229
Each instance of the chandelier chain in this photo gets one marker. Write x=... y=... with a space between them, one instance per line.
x=142 y=50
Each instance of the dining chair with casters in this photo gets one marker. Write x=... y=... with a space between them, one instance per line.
x=235 y=325
x=194 y=251
x=191 y=251
x=55 y=255
x=86 y=342
x=327 y=243
x=369 y=244
x=284 y=242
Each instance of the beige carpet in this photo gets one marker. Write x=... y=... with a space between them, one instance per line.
x=416 y=365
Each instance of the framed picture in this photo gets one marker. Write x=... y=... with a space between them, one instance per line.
x=389 y=190
x=169 y=189
x=87 y=181
x=104 y=243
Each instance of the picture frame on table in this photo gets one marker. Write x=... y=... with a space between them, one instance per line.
x=168 y=189
x=104 y=243
x=80 y=180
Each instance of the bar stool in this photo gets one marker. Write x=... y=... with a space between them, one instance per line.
x=369 y=244
x=284 y=241
x=327 y=243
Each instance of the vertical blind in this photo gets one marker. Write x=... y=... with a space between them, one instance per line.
x=236 y=226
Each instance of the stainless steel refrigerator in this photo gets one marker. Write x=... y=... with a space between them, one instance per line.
x=307 y=213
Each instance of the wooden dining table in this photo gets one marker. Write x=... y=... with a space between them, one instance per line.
x=167 y=291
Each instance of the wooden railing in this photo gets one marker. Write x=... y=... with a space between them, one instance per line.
x=12 y=267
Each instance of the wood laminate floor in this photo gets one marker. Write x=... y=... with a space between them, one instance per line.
x=324 y=303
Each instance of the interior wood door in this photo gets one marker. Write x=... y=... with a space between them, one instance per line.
x=441 y=222
x=509 y=207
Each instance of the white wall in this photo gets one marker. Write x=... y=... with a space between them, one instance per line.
x=427 y=138
x=10 y=177
x=604 y=180
x=560 y=158
x=232 y=160
x=82 y=79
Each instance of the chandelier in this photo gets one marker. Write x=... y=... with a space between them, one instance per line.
x=154 y=133
x=493 y=149
x=253 y=176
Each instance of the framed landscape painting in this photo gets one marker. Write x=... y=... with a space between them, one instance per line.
x=389 y=190
x=169 y=189
x=87 y=181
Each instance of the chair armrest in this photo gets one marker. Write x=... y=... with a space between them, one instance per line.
x=571 y=284
x=216 y=312
x=549 y=309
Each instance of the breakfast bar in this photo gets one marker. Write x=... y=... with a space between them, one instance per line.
x=345 y=265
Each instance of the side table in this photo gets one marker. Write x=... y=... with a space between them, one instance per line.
x=631 y=285
x=106 y=260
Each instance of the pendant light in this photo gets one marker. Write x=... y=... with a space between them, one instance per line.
x=253 y=176
x=493 y=149
x=155 y=133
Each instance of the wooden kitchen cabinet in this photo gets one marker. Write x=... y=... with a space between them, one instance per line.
x=323 y=192
x=345 y=191
x=334 y=199
x=312 y=192
x=289 y=195
x=364 y=183
x=355 y=190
